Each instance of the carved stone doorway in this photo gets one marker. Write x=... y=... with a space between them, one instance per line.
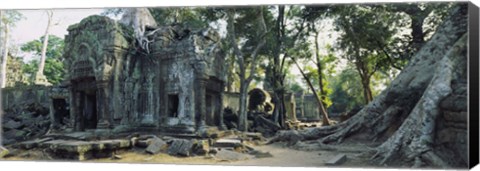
x=89 y=110
x=87 y=103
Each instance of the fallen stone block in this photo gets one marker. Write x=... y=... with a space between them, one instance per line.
x=227 y=155
x=116 y=157
x=156 y=146
x=337 y=160
x=13 y=125
x=3 y=151
x=32 y=143
x=180 y=147
x=201 y=147
x=227 y=142
x=254 y=135
x=143 y=143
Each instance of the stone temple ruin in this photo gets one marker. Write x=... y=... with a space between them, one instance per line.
x=176 y=87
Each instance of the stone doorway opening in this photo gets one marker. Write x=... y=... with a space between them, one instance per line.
x=61 y=112
x=86 y=103
x=211 y=109
x=89 y=109
x=173 y=102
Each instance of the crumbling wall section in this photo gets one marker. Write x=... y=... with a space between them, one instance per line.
x=26 y=113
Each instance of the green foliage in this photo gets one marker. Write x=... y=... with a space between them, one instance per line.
x=427 y=15
x=188 y=16
x=54 y=69
x=346 y=91
x=54 y=48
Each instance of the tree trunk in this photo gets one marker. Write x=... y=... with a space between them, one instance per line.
x=4 y=56
x=321 y=107
x=277 y=80
x=242 y=113
x=2 y=79
x=240 y=58
x=404 y=115
x=323 y=94
x=367 y=90
x=41 y=66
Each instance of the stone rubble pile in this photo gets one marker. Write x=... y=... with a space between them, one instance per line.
x=24 y=121
x=229 y=148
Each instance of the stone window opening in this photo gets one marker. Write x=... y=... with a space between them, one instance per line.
x=173 y=102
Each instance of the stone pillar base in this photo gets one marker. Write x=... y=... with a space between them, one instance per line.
x=40 y=79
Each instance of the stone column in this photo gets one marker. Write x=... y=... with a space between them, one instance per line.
x=200 y=92
x=102 y=105
x=201 y=108
x=221 y=123
x=53 y=122
x=74 y=112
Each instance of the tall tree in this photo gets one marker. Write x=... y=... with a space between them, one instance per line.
x=365 y=32
x=41 y=66
x=242 y=57
x=4 y=54
x=314 y=15
x=286 y=46
x=8 y=19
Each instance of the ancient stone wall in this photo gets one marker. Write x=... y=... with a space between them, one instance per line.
x=311 y=112
x=12 y=96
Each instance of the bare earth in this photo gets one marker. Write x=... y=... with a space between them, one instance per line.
x=282 y=156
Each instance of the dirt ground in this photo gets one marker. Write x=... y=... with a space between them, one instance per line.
x=281 y=156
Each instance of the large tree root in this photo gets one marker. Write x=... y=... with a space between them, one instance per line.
x=306 y=146
x=417 y=133
x=405 y=113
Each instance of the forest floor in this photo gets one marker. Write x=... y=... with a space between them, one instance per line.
x=281 y=156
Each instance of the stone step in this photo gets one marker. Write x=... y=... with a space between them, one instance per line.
x=337 y=160
x=227 y=142
x=228 y=155
x=32 y=143
x=83 y=150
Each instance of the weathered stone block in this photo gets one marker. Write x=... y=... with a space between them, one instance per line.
x=13 y=125
x=3 y=151
x=227 y=155
x=227 y=142
x=156 y=146
x=455 y=116
x=32 y=143
x=181 y=147
x=201 y=147
x=337 y=160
